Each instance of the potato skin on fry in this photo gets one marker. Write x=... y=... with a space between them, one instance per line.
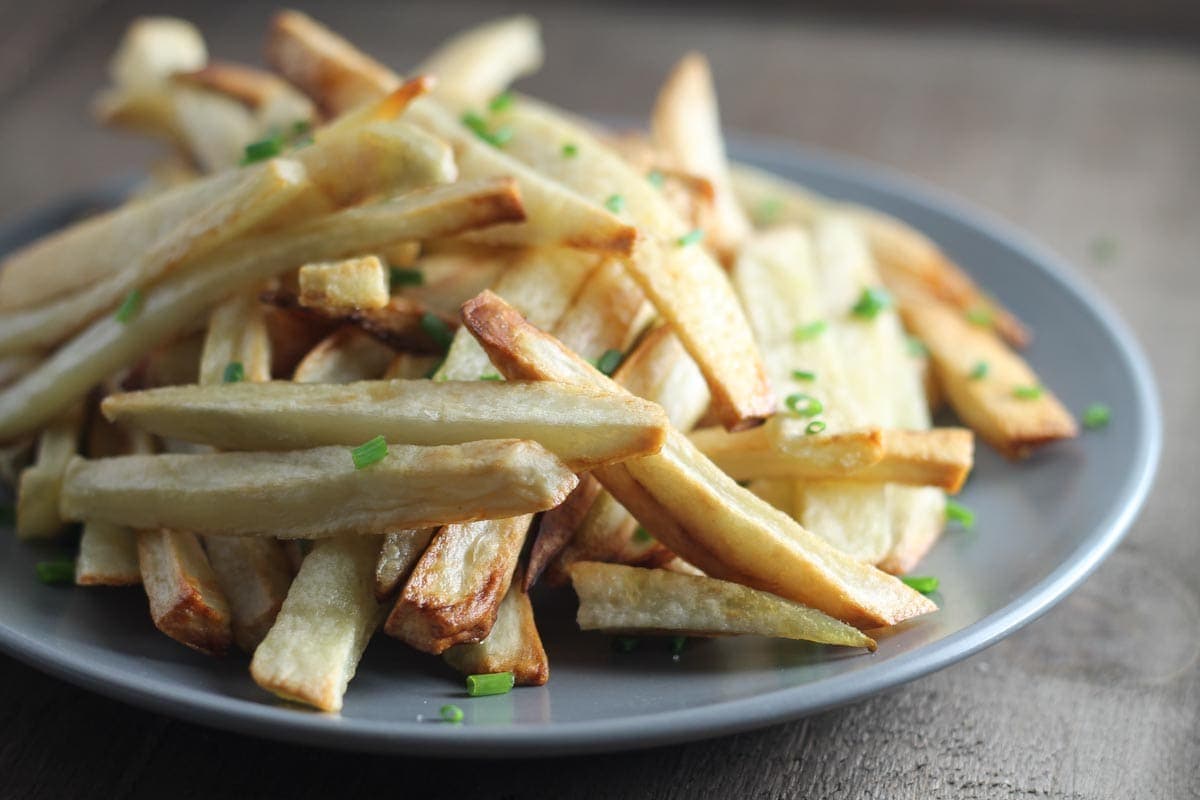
x=185 y=601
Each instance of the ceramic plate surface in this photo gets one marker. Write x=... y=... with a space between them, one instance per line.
x=1043 y=526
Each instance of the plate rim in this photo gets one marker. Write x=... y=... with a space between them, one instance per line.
x=723 y=717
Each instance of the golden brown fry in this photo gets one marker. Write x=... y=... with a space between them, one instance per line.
x=400 y=552
x=318 y=492
x=41 y=484
x=454 y=593
x=513 y=645
x=185 y=601
x=694 y=508
x=558 y=526
x=620 y=599
x=993 y=405
x=347 y=285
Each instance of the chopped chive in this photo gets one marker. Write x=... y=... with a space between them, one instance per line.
x=810 y=331
x=399 y=276
x=1027 y=392
x=656 y=178
x=923 y=583
x=479 y=126
x=814 y=427
x=501 y=136
x=979 y=371
x=301 y=127
x=642 y=536
x=871 y=302
x=691 y=237
x=804 y=375
x=234 y=372
x=957 y=512
x=609 y=361
x=369 y=452
x=624 y=644
x=677 y=644
x=490 y=683
x=1097 y=415
x=451 y=713
x=262 y=150
x=804 y=405
x=501 y=101
x=570 y=150
x=1103 y=249
x=916 y=347
x=490 y=376
x=980 y=316
x=129 y=306
x=435 y=328
x=768 y=210
x=615 y=203
x=55 y=572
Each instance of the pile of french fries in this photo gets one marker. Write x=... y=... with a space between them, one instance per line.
x=366 y=352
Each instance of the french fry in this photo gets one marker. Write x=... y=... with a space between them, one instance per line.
x=155 y=48
x=41 y=483
x=274 y=99
x=340 y=78
x=15 y=365
x=410 y=366
x=108 y=553
x=608 y=313
x=237 y=333
x=347 y=285
x=450 y=278
x=513 y=645
x=346 y=355
x=941 y=457
x=108 y=344
x=399 y=324
x=476 y=65
x=621 y=599
x=313 y=649
x=186 y=602
x=212 y=127
x=558 y=526
x=695 y=509
x=398 y=556
x=584 y=428
x=319 y=492
x=438 y=608
x=686 y=126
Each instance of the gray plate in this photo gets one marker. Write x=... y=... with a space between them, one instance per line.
x=1043 y=527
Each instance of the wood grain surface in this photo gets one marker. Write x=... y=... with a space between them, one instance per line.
x=1074 y=139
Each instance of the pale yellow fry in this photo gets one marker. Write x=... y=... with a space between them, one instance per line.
x=154 y=48
x=108 y=344
x=410 y=366
x=609 y=313
x=400 y=552
x=479 y=63
x=621 y=599
x=695 y=509
x=186 y=602
x=213 y=127
x=346 y=285
x=237 y=332
x=318 y=492
x=348 y=354
x=513 y=645
x=313 y=649
x=40 y=487
x=108 y=553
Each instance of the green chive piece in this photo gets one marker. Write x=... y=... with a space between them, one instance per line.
x=979 y=371
x=369 y=452
x=55 y=573
x=768 y=210
x=803 y=375
x=435 y=328
x=501 y=136
x=399 y=276
x=691 y=237
x=234 y=373
x=871 y=302
x=301 y=127
x=677 y=644
x=981 y=317
x=262 y=150
x=490 y=683
x=129 y=306
x=810 y=331
x=814 y=427
x=957 y=512
x=615 y=203
x=804 y=405
x=501 y=101
x=642 y=536
x=1027 y=392
x=656 y=178
x=922 y=583
x=916 y=348
x=1096 y=416
x=451 y=713
x=570 y=150
x=1103 y=249
x=609 y=361
x=479 y=126
x=625 y=644
x=490 y=376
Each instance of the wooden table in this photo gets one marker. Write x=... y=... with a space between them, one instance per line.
x=1074 y=139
